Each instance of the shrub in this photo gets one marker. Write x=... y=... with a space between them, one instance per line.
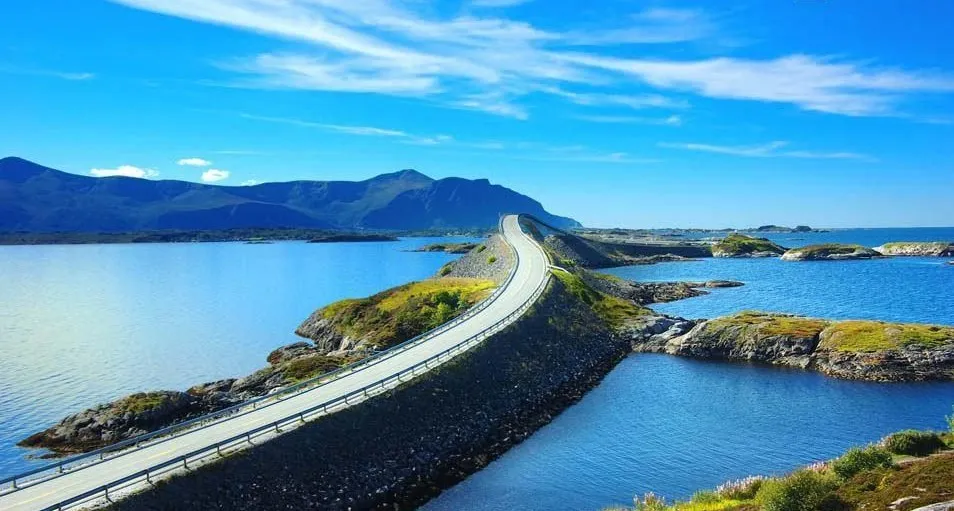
x=741 y=489
x=914 y=443
x=649 y=502
x=801 y=491
x=950 y=422
x=445 y=271
x=492 y=259
x=481 y=248
x=859 y=460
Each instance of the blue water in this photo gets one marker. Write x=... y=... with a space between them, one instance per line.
x=82 y=325
x=673 y=426
x=865 y=237
x=906 y=289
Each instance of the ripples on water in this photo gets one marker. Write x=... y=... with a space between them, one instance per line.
x=81 y=325
x=674 y=426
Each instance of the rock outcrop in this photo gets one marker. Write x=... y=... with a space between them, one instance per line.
x=740 y=245
x=861 y=350
x=646 y=293
x=915 y=248
x=830 y=252
x=449 y=248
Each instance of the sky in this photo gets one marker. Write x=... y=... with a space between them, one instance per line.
x=831 y=113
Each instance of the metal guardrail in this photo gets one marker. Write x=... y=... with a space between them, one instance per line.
x=64 y=466
x=319 y=409
x=322 y=408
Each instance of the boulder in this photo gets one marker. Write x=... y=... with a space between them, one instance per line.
x=830 y=252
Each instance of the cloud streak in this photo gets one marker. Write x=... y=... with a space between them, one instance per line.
x=215 y=175
x=194 y=162
x=769 y=150
x=125 y=171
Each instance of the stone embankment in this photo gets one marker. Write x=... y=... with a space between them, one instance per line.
x=399 y=449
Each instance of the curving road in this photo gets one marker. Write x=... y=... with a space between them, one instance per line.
x=531 y=272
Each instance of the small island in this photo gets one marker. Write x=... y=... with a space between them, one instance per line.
x=830 y=252
x=740 y=245
x=917 y=248
x=449 y=248
x=352 y=237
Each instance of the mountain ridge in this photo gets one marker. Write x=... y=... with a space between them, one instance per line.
x=35 y=198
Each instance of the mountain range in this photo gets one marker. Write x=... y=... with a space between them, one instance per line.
x=34 y=198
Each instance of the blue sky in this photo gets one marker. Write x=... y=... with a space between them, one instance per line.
x=618 y=113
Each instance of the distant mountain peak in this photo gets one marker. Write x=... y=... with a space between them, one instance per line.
x=37 y=198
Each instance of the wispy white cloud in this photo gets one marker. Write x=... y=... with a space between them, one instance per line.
x=250 y=182
x=194 y=162
x=498 y=3
x=64 y=75
x=636 y=102
x=215 y=175
x=672 y=120
x=126 y=171
x=769 y=150
x=365 y=131
x=488 y=62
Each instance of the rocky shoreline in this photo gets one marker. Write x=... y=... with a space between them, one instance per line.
x=830 y=252
x=856 y=350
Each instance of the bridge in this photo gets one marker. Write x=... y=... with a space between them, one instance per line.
x=134 y=464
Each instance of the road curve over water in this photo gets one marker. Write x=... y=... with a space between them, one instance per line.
x=530 y=274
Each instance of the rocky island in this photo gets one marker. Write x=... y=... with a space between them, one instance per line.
x=917 y=248
x=830 y=252
x=740 y=245
x=859 y=350
x=352 y=237
x=449 y=248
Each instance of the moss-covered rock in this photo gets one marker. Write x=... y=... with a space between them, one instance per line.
x=917 y=248
x=830 y=252
x=740 y=245
x=393 y=316
x=613 y=310
x=450 y=248
x=866 y=350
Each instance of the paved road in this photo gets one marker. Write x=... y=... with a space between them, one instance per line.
x=530 y=273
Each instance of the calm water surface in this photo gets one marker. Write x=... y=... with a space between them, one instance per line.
x=81 y=325
x=674 y=426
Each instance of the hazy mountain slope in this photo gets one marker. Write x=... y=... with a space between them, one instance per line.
x=37 y=198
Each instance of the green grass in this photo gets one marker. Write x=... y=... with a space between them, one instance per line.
x=142 y=401
x=773 y=324
x=742 y=244
x=481 y=248
x=309 y=367
x=871 y=336
x=492 y=259
x=400 y=313
x=615 y=311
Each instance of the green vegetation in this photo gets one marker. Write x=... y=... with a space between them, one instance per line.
x=769 y=324
x=481 y=248
x=858 y=460
x=862 y=478
x=830 y=251
x=450 y=248
x=870 y=336
x=914 y=443
x=308 y=367
x=804 y=490
x=446 y=270
x=738 y=244
x=492 y=259
x=142 y=401
x=615 y=311
x=400 y=313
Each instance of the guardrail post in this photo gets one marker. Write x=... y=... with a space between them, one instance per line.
x=218 y=449
x=302 y=416
x=14 y=484
x=276 y=427
x=185 y=462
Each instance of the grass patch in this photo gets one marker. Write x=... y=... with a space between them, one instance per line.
x=774 y=324
x=481 y=248
x=400 y=313
x=870 y=336
x=735 y=244
x=615 y=311
x=492 y=259
x=309 y=367
x=928 y=479
x=142 y=402
x=914 y=443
